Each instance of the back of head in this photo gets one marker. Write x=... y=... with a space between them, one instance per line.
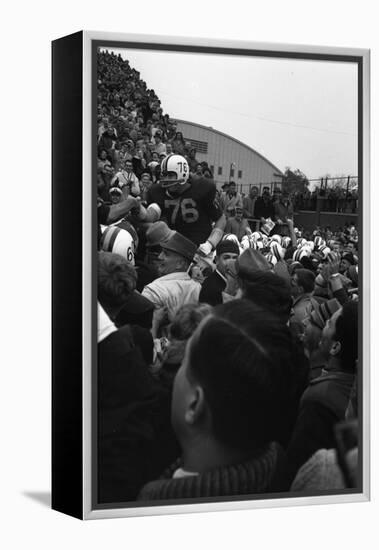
x=242 y=359
x=116 y=280
x=250 y=262
x=306 y=279
x=187 y=319
x=269 y=291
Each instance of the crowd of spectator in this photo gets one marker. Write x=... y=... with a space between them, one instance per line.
x=227 y=337
x=133 y=132
x=338 y=199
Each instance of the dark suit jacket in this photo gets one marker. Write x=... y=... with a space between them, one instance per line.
x=211 y=289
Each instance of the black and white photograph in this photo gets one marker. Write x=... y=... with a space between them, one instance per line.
x=190 y=192
x=229 y=196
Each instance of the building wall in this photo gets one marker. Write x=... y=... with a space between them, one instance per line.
x=223 y=150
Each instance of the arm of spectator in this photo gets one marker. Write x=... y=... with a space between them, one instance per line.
x=248 y=231
x=118 y=211
x=220 y=224
x=135 y=187
x=336 y=283
x=232 y=286
x=330 y=273
x=290 y=224
x=160 y=320
x=114 y=180
x=341 y=295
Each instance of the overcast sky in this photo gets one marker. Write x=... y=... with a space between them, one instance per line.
x=301 y=114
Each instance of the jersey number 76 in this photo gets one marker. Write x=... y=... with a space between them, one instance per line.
x=187 y=207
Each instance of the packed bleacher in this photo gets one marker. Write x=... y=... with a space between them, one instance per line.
x=227 y=336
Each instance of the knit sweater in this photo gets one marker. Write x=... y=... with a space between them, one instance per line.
x=250 y=477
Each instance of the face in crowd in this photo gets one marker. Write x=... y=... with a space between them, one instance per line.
x=296 y=289
x=266 y=193
x=253 y=192
x=146 y=180
x=223 y=260
x=327 y=343
x=170 y=262
x=128 y=166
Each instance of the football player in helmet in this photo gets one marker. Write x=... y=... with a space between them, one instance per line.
x=188 y=205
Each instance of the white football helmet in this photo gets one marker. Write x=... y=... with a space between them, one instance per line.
x=174 y=164
x=119 y=241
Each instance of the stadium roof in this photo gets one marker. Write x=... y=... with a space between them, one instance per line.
x=279 y=172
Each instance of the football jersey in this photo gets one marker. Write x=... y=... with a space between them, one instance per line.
x=191 y=213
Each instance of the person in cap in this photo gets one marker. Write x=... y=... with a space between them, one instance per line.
x=231 y=197
x=268 y=291
x=283 y=211
x=225 y=413
x=347 y=260
x=156 y=234
x=249 y=202
x=314 y=324
x=264 y=207
x=249 y=262
x=145 y=183
x=214 y=285
x=127 y=180
x=115 y=195
x=174 y=287
x=159 y=146
x=237 y=225
x=302 y=287
x=239 y=271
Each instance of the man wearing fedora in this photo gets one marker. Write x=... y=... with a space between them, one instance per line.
x=174 y=287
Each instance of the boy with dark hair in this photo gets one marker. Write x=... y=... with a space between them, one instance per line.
x=229 y=397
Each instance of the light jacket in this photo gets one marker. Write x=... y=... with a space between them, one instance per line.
x=172 y=291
